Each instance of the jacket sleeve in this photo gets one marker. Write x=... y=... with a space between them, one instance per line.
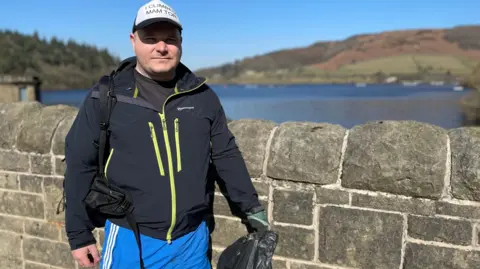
x=230 y=165
x=81 y=164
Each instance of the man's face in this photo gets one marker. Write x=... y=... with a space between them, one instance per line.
x=158 y=47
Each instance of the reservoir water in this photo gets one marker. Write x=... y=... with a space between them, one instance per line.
x=346 y=105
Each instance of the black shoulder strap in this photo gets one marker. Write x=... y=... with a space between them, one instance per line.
x=106 y=97
x=106 y=100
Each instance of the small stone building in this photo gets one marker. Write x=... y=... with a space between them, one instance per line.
x=19 y=88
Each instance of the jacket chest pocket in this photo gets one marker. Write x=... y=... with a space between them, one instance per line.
x=192 y=134
x=153 y=136
x=177 y=144
x=172 y=151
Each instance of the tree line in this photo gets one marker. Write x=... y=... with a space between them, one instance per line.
x=59 y=64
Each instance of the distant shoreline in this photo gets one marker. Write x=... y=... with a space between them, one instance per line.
x=268 y=84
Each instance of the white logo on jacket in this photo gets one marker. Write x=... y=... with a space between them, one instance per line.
x=185 y=107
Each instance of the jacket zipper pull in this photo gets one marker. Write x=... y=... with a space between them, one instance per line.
x=164 y=123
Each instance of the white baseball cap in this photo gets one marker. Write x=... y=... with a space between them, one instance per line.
x=155 y=11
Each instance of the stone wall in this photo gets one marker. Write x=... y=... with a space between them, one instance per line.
x=9 y=93
x=382 y=195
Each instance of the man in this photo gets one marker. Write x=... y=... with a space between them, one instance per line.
x=167 y=127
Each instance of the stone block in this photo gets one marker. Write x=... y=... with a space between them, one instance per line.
x=294 y=265
x=14 y=161
x=10 y=251
x=221 y=206
x=293 y=207
x=465 y=163
x=251 y=137
x=9 y=181
x=476 y=233
x=41 y=164
x=457 y=210
x=331 y=196
x=48 y=252
x=227 y=231
x=37 y=131
x=101 y=235
x=215 y=256
x=43 y=229
x=96 y=235
x=60 y=166
x=31 y=183
x=432 y=257
x=399 y=157
x=21 y=204
x=262 y=188
x=306 y=152
x=53 y=195
x=11 y=224
x=294 y=242
x=458 y=232
x=360 y=238
x=58 y=143
x=11 y=117
x=278 y=264
x=394 y=203
x=31 y=265
x=64 y=237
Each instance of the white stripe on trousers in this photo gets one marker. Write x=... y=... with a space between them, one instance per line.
x=112 y=236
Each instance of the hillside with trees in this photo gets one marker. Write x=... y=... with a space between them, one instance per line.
x=423 y=54
x=59 y=65
x=446 y=55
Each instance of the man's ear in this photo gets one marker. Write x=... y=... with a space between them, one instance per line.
x=132 y=40
x=180 y=36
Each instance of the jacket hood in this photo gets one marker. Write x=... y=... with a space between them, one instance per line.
x=124 y=79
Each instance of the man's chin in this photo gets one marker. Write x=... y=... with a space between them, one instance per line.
x=161 y=69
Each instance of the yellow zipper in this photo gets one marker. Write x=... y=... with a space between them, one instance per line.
x=108 y=162
x=177 y=146
x=170 y=162
x=135 y=93
x=171 y=175
x=155 y=145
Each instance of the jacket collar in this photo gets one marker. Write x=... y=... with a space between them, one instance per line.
x=124 y=79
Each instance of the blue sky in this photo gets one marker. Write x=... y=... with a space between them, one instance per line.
x=220 y=31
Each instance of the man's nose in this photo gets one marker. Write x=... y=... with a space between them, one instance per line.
x=161 y=46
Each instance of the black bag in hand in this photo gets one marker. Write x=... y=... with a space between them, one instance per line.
x=252 y=251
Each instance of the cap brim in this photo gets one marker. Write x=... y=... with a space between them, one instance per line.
x=155 y=20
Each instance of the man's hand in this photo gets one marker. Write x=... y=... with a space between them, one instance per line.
x=83 y=258
x=258 y=221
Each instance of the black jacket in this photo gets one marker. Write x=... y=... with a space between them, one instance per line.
x=160 y=157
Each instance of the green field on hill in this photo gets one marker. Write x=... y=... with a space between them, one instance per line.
x=406 y=67
x=408 y=64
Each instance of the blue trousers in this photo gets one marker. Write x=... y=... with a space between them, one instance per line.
x=120 y=250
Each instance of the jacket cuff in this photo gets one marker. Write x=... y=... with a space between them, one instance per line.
x=256 y=209
x=81 y=240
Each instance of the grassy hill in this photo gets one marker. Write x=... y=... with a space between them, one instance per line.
x=404 y=64
x=60 y=65
x=424 y=54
